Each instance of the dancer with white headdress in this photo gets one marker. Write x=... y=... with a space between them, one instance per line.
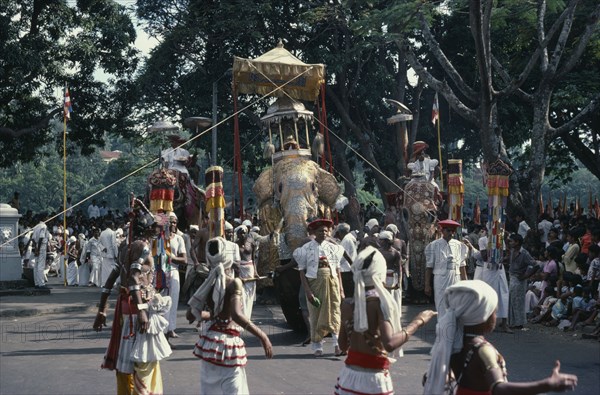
x=460 y=344
x=371 y=329
x=219 y=302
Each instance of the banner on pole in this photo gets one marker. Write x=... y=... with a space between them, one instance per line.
x=68 y=108
x=435 y=111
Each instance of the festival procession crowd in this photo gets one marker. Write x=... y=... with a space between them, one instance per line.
x=354 y=282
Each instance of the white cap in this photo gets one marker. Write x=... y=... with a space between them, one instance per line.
x=228 y=226
x=237 y=221
x=392 y=228
x=172 y=215
x=371 y=223
x=255 y=229
x=247 y=223
x=194 y=227
x=386 y=235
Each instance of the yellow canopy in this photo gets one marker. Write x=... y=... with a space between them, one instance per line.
x=279 y=66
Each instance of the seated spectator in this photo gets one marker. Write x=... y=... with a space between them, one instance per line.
x=532 y=297
x=593 y=274
x=582 y=306
x=594 y=309
x=550 y=273
x=541 y=313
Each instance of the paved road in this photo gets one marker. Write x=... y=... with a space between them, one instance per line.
x=60 y=354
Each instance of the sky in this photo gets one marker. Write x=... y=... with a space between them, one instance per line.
x=143 y=42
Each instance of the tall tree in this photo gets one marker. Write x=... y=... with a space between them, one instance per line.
x=46 y=44
x=479 y=102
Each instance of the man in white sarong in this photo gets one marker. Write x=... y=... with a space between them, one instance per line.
x=445 y=263
x=110 y=251
x=481 y=255
x=178 y=257
x=92 y=256
x=83 y=268
x=247 y=268
x=40 y=237
x=72 y=268
x=494 y=275
x=231 y=248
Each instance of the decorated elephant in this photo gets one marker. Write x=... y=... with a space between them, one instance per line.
x=292 y=191
x=172 y=190
x=420 y=198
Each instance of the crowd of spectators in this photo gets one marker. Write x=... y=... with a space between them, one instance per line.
x=563 y=251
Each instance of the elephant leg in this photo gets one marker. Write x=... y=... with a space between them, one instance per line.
x=287 y=286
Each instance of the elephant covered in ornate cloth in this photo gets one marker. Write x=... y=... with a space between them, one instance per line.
x=420 y=202
x=293 y=190
x=172 y=190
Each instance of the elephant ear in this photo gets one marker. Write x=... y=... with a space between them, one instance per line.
x=328 y=188
x=263 y=187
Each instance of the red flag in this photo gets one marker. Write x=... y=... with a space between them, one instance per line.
x=68 y=109
x=435 y=111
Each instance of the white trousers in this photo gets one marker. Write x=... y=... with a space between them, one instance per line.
x=174 y=287
x=222 y=380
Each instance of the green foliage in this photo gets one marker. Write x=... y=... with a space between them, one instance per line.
x=43 y=46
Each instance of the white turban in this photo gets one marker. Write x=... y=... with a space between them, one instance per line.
x=228 y=226
x=172 y=215
x=243 y=228
x=386 y=235
x=219 y=261
x=247 y=223
x=194 y=227
x=372 y=222
x=373 y=275
x=392 y=228
x=469 y=302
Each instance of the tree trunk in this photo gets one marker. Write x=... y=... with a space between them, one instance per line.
x=384 y=184
x=342 y=166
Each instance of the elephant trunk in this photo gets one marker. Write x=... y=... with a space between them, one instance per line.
x=299 y=209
